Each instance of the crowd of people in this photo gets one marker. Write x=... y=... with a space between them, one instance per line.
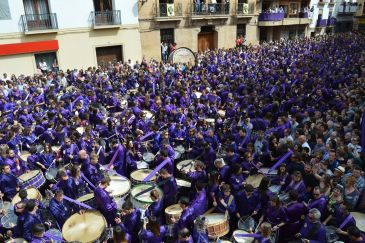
x=270 y=136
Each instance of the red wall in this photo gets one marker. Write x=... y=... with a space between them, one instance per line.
x=28 y=47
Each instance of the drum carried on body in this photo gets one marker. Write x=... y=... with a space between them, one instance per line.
x=254 y=180
x=119 y=188
x=284 y=198
x=173 y=211
x=51 y=174
x=275 y=189
x=148 y=157
x=33 y=178
x=85 y=228
x=236 y=238
x=32 y=192
x=180 y=150
x=138 y=176
x=217 y=225
x=24 y=155
x=9 y=219
x=271 y=174
x=142 y=165
x=247 y=223
x=142 y=200
x=185 y=166
x=88 y=199
x=331 y=235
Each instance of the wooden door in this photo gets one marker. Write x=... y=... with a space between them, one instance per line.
x=104 y=55
x=206 y=40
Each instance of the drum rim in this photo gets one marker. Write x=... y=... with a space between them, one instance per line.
x=152 y=178
x=172 y=206
x=129 y=185
x=38 y=172
x=91 y=193
x=77 y=214
x=141 y=201
x=28 y=188
x=213 y=224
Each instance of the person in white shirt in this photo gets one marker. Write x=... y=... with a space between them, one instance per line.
x=302 y=139
x=43 y=66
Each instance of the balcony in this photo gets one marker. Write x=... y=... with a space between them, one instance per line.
x=106 y=19
x=210 y=10
x=279 y=19
x=347 y=8
x=321 y=23
x=168 y=12
x=39 y=23
x=245 y=10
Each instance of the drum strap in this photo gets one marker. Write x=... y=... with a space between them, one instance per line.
x=230 y=201
x=347 y=219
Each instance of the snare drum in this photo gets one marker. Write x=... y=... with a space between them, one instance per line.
x=183 y=183
x=87 y=227
x=246 y=223
x=275 y=189
x=138 y=176
x=24 y=155
x=9 y=220
x=331 y=235
x=173 y=211
x=239 y=239
x=17 y=240
x=148 y=157
x=254 y=180
x=51 y=174
x=33 y=178
x=119 y=186
x=185 y=166
x=33 y=193
x=271 y=174
x=177 y=155
x=217 y=225
x=142 y=200
x=284 y=198
x=88 y=199
x=180 y=149
x=142 y=165
x=56 y=235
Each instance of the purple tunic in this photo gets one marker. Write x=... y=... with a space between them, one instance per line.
x=105 y=204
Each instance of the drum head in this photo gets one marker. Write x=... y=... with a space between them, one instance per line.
x=24 y=155
x=29 y=175
x=186 y=165
x=210 y=120
x=148 y=157
x=183 y=183
x=32 y=192
x=86 y=197
x=85 y=228
x=215 y=218
x=51 y=173
x=139 y=175
x=142 y=165
x=180 y=149
x=177 y=155
x=360 y=220
x=254 y=180
x=173 y=209
x=119 y=186
x=9 y=220
x=242 y=239
x=246 y=223
x=144 y=198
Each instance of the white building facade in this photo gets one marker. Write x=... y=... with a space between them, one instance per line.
x=73 y=33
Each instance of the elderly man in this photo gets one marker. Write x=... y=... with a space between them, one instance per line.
x=312 y=230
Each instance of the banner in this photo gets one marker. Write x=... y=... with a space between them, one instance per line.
x=170 y=9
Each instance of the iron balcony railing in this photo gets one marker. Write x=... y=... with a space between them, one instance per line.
x=210 y=9
x=35 y=22
x=245 y=8
x=109 y=17
x=169 y=10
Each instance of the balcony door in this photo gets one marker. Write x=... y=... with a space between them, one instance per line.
x=103 y=5
x=166 y=8
x=37 y=14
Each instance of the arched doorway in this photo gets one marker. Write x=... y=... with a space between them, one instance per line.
x=207 y=38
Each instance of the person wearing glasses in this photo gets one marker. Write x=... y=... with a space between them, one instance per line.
x=318 y=201
x=312 y=230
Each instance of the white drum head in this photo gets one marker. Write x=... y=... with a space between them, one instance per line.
x=140 y=175
x=242 y=239
x=27 y=176
x=119 y=186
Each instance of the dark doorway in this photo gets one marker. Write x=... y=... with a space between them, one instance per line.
x=103 y=5
x=107 y=54
x=207 y=38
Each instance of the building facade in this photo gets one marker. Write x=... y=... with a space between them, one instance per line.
x=72 y=35
x=359 y=22
x=196 y=24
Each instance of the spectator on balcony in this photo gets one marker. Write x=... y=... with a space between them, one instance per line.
x=164 y=51
x=55 y=67
x=226 y=6
x=198 y=5
x=43 y=66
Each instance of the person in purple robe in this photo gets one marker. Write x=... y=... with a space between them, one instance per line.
x=152 y=231
x=104 y=202
x=231 y=158
x=199 y=203
x=312 y=230
x=32 y=218
x=38 y=236
x=69 y=152
x=223 y=170
x=355 y=235
x=318 y=201
x=169 y=187
x=164 y=158
x=9 y=183
x=79 y=187
x=91 y=168
x=184 y=236
x=247 y=201
x=297 y=184
x=187 y=217
x=275 y=215
x=198 y=175
x=155 y=210
x=60 y=208
x=236 y=180
x=119 y=235
x=209 y=156
x=131 y=220
x=18 y=165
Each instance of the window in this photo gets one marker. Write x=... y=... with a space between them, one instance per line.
x=241 y=30
x=167 y=36
x=4 y=10
x=109 y=54
x=48 y=57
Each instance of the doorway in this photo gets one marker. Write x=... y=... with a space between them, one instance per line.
x=207 y=38
x=107 y=54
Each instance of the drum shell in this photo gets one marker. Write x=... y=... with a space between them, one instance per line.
x=141 y=204
x=37 y=180
x=217 y=228
x=173 y=211
x=180 y=170
x=331 y=235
